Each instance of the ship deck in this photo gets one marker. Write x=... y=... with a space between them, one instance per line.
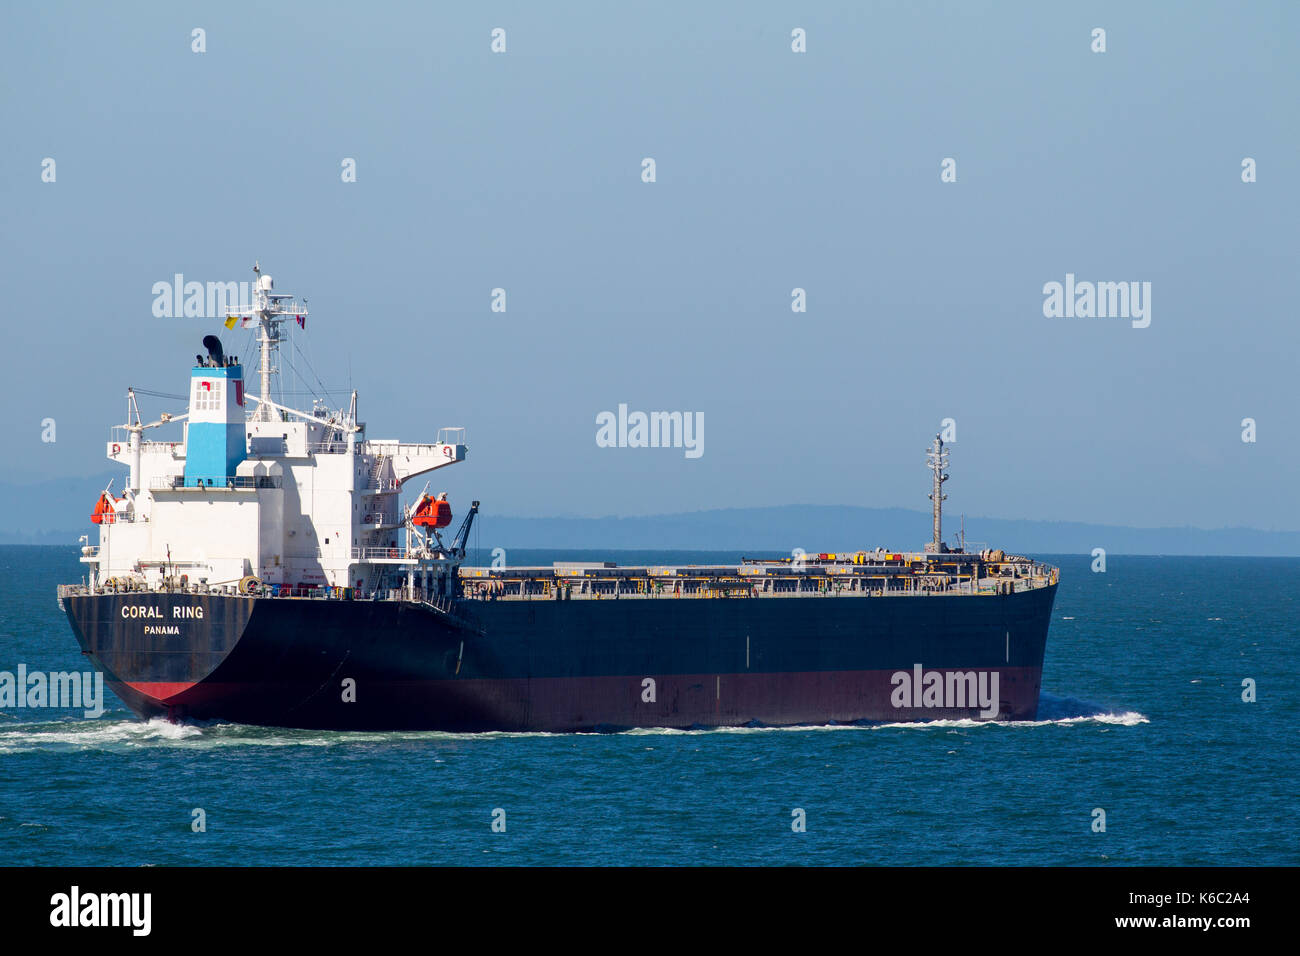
x=812 y=577
x=860 y=575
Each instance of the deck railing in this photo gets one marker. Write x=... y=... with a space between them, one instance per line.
x=637 y=588
x=214 y=482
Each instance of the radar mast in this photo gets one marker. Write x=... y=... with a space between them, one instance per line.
x=270 y=309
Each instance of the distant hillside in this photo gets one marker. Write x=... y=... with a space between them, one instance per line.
x=835 y=528
x=55 y=511
x=58 y=511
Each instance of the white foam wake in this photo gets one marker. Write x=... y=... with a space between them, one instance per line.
x=1129 y=718
x=75 y=734
x=92 y=734
x=119 y=735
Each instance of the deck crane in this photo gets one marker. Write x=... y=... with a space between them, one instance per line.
x=462 y=534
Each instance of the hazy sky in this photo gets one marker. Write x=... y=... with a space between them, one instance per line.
x=774 y=170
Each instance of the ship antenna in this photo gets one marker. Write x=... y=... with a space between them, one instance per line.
x=269 y=309
x=937 y=459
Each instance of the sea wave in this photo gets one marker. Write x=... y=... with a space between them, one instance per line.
x=129 y=735
x=1129 y=718
x=136 y=734
x=1053 y=711
x=117 y=735
x=93 y=733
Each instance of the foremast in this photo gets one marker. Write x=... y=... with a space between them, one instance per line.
x=937 y=460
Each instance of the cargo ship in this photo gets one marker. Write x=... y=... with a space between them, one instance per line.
x=262 y=569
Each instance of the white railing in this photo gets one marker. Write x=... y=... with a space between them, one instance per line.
x=120 y=517
x=382 y=554
x=213 y=482
x=390 y=449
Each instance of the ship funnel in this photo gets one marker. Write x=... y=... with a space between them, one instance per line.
x=215 y=436
x=215 y=351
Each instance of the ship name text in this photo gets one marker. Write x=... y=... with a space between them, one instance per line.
x=185 y=612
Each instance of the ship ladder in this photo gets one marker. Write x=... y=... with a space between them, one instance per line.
x=456 y=619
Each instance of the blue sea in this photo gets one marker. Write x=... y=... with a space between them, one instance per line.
x=1142 y=717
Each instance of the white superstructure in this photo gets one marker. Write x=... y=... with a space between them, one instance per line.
x=259 y=493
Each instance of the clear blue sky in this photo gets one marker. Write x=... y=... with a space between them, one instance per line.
x=775 y=170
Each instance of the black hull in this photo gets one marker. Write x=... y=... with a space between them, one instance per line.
x=550 y=665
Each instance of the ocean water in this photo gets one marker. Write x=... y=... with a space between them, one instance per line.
x=1142 y=717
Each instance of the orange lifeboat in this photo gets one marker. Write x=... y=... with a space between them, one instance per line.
x=432 y=512
x=103 y=513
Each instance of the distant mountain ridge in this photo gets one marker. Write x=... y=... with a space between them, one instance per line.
x=55 y=511
x=58 y=512
x=849 y=528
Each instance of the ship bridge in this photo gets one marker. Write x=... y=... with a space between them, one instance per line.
x=257 y=492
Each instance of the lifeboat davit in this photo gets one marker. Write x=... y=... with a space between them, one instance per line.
x=432 y=512
x=104 y=513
